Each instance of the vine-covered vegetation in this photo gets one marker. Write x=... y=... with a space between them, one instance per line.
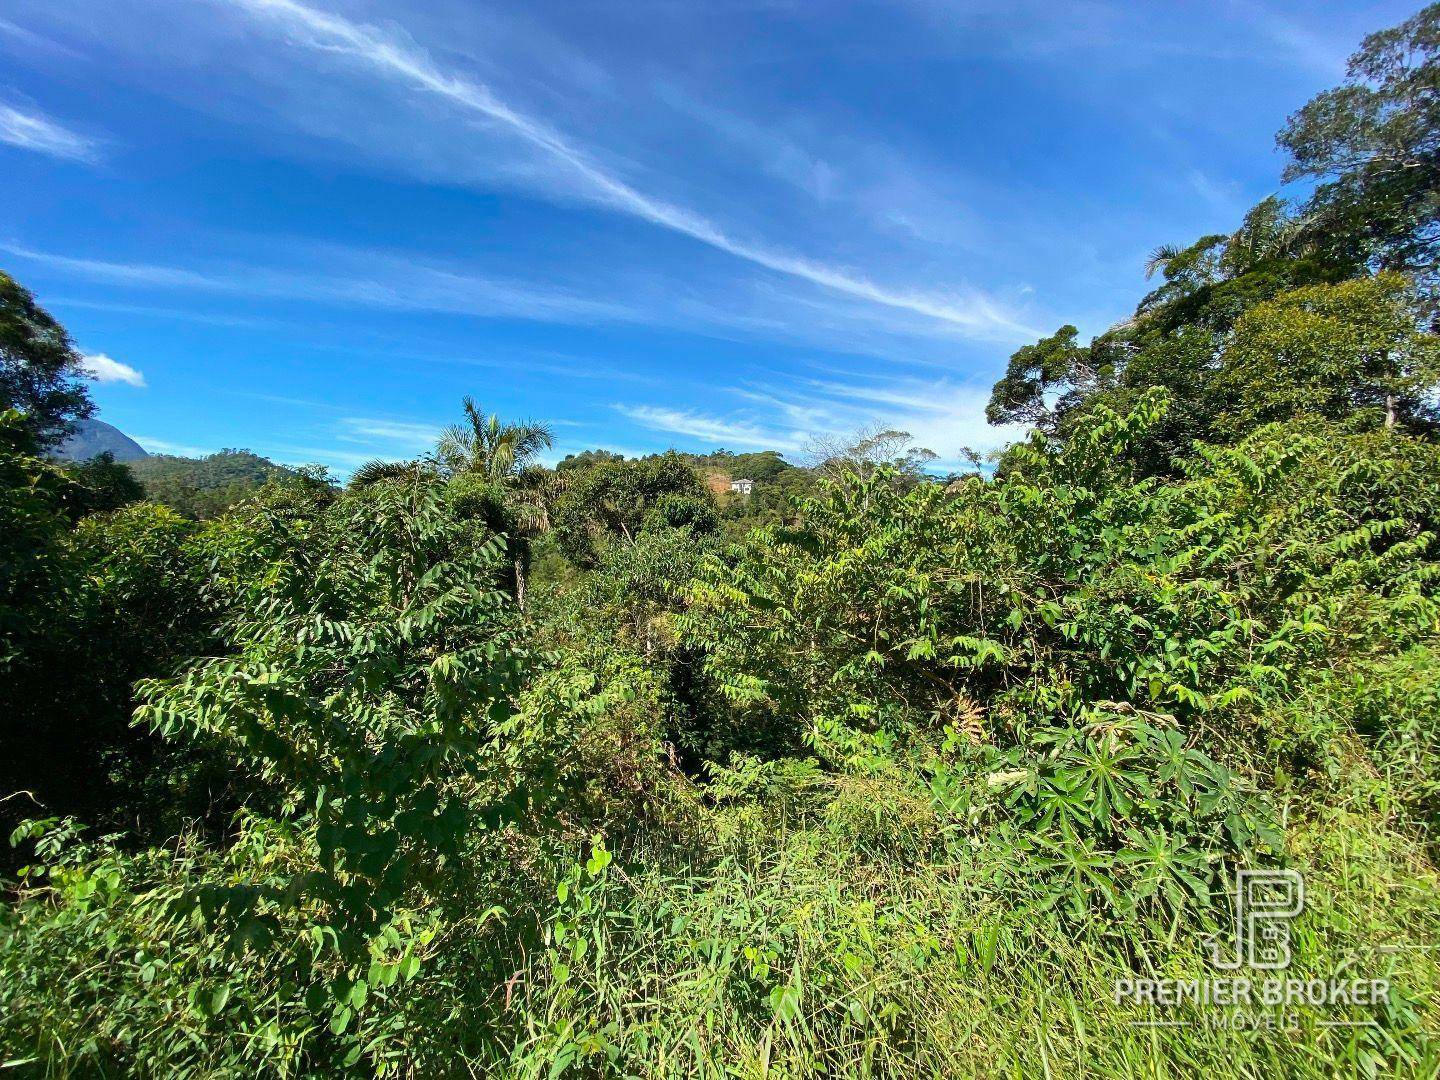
x=472 y=766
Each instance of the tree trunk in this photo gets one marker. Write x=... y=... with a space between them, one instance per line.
x=1389 y=410
x=520 y=583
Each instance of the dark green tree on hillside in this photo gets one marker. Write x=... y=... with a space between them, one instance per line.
x=585 y=458
x=40 y=373
x=101 y=484
x=761 y=466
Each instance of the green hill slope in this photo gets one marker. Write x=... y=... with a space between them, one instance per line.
x=206 y=486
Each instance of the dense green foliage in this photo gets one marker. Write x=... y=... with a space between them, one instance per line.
x=625 y=500
x=476 y=767
x=100 y=483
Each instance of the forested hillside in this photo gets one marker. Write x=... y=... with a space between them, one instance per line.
x=206 y=486
x=473 y=766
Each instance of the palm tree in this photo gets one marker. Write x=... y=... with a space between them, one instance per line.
x=502 y=454
x=489 y=446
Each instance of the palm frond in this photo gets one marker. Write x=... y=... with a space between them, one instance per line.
x=474 y=414
x=1160 y=258
x=375 y=471
x=455 y=449
x=530 y=438
x=487 y=445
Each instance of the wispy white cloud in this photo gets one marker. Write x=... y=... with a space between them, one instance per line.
x=148 y=311
x=765 y=142
x=342 y=462
x=1325 y=57
x=941 y=415
x=397 y=434
x=400 y=60
x=396 y=284
x=165 y=446
x=1127 y=33
x=281 y=399
x=347 y=442
x=104 y=369
x=37 y=132
x=1226 y=196
x=30 y=41
x=543 y=364
x=372 y=438
x=332 y=274
x=717 y=429
x=120 y=273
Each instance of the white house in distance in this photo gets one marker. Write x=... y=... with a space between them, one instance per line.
x=744 y=487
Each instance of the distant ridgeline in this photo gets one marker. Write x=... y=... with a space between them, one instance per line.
x=762 y=465
x=196 y=487
x=750 y=487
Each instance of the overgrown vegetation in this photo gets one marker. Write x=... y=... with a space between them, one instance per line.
x=475 y=767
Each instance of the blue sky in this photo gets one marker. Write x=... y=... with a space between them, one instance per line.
x=309 y=227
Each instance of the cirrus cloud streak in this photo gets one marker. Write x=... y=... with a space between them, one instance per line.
x=404 y=62
x=37 y=132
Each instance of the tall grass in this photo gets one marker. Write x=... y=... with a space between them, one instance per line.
x=807 y=958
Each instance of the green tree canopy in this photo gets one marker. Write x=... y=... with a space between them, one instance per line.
x=1373 y=143
x=1219 y=333
x=1348 y=352
x=39 y=366
x=101 y=483
x=205 y=487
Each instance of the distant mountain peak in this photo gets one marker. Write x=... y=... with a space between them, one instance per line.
x=92 y=437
